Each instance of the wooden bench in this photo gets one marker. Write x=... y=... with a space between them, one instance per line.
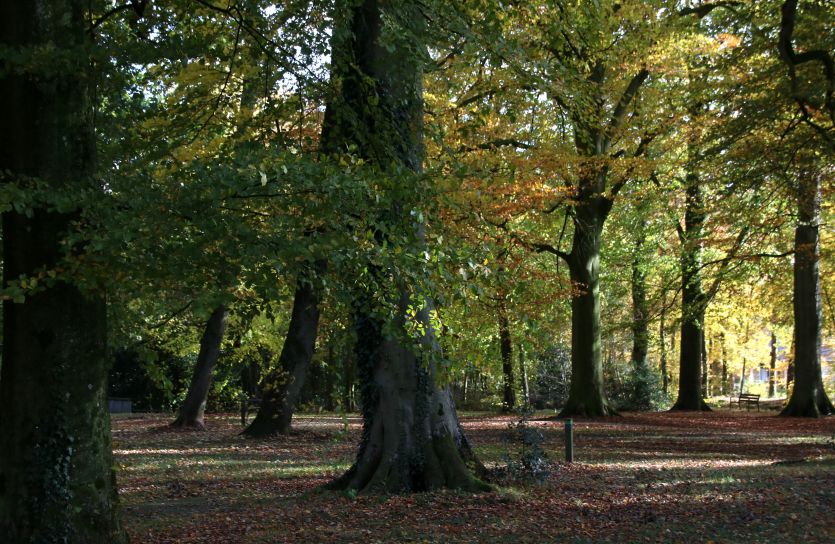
x=246 y=404
x=748 y=399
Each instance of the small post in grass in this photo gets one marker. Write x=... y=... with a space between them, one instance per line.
x=569 y=441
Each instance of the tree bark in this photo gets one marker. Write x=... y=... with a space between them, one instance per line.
x=772 y=366
x=662 y=346
x=586 y=395
x=725 y=388
x=705 y=373
x=523 y=371
x=57 y=482
x=742 y=377
x=411 y=437
x=506 y=349
x=692 y=302
x=191 y=412
x=282 y=386
x=808 y=397
x=641 y=394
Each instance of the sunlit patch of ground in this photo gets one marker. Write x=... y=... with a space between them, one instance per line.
x=668 y=477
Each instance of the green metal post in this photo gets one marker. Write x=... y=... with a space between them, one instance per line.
x=569 y=441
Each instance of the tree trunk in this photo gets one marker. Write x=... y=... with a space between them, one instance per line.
x=57 y=482
x=506 y=348
x=725 y=388
x=282 y=386
x=808 y=397
x=526 y=390
x=586 y=395
x=191 y=412
x=662 y=346
x=742 y=378
x=772 y=366
x=705 y=373
x=411 y=437
x=692 y=302
x=640 y=306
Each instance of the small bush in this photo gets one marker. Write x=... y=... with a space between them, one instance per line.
x=528 y=462
x=642 y=391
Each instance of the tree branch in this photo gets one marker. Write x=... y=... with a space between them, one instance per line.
x=705 y=9
x=502 y=142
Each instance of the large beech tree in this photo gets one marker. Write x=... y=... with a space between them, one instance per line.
x=411 y=438
x=56 y=471
x=809 y=396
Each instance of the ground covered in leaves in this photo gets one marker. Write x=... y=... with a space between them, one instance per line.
x=663 y=477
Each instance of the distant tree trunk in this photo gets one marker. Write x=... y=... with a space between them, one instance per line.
x=506 y=348
x=704 y=368
x=742 y=378
x=524 y=373
x=663 y=349
x=640 y=306
x=808 y=397
x=725 y=388
x=282 y=386
x=191 y=412
x=57 y=478
x=790 y=368
x=692 y=301
x=772 y=366
x=411 y=436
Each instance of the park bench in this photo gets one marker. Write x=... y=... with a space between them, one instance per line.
x=246 y=404
x=748 y=399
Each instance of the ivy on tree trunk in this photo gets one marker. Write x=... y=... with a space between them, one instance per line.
x=411 y=437
x=57 y=482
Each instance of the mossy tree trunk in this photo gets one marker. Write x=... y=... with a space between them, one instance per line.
x=808 y=396
x=194 y=405
x=411 y=438
x=283 y=385
x=57 y=482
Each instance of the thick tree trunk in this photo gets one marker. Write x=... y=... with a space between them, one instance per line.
x=808 y=397
x=191 y=412
x=57 y=482
x=506 y=349
x=692 y=302
x=411 y=437
x=586 y=395
x=282 y=386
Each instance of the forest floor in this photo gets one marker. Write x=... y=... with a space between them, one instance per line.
x=724 y=476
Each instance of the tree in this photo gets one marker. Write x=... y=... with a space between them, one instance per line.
x=808 y=396
x=411 y=438
x=191 y=411
x=282 y=386
x=56 y=468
